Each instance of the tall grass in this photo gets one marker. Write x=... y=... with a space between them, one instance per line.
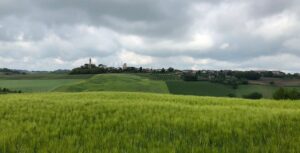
x=136 y=122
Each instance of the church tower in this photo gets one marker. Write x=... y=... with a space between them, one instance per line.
x=124 y=66
x=90 y=63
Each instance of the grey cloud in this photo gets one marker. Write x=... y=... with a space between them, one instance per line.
x=70 y=30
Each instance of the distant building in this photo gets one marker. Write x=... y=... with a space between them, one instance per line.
x=90 y=63
x=124 y=66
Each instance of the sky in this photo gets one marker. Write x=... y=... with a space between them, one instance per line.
x=184 y=34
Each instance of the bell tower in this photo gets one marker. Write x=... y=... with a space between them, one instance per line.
x=90 y=63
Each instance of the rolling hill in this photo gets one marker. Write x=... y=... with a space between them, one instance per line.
x=112 y=122
x=117 y=82
x=134 y=82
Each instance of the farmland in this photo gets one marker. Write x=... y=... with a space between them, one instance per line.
x=131 y=82
x=205 y=88
x=39 y=82
x=141 y=122
x=117 y=82
x=36 y=85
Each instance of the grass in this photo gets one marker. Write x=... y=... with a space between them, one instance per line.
x=35 y=85
x=200 y=88
x=111 y=122
x=146 y=82
x=39 y=82
x=160 y=76
x=205 y=88
x=117 y=82
x=43 y=76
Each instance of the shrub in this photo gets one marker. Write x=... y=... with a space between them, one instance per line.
x=231 y=95
x=254 y=95
x=282 y=93
x=189 y=77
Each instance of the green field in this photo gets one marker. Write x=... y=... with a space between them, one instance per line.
x=111 y=122
x=160 y=76
x=117 y=82
x=205 y=88
x=36 y=85
x=40 y=82
x=200 y=88
x=158 y=83
x=43 y=76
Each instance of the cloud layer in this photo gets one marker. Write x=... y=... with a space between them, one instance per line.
x=190 y=34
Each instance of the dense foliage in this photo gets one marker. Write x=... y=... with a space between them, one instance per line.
x=254 y=95
x=7 y=71
x=100 y=69
x=282 y=93
x=6 y=91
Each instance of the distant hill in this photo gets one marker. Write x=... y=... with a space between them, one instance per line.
x=117 y=82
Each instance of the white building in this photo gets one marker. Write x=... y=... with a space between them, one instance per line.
x=124 y=66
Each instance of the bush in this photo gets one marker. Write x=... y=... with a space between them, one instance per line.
x=189 y=77
x=254 y=95
x=6 y=91
x=282 y=93
x=231 y=95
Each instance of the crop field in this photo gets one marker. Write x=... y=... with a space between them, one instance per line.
x=202 y=88
x=112 y=122
x=157 y=83
x=205 y=88
x=43 y=76
x=36 y=85
x=160 y=76
x=39 y=82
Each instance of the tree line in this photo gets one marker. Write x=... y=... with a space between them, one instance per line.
x=6 y=91
x=100 y=69
x=286 y=94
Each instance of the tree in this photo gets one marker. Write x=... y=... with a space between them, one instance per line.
x=254 y=95
x=293 y=94
x=280 y=94
x=189 y=77
x=231 y=95
x=170 y=69
x=163 y=70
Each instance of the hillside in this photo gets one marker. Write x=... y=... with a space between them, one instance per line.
x=140 y=122
x=117 y=82
x=143 y=82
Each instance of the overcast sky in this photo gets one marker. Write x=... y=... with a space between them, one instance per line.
x=185 y=34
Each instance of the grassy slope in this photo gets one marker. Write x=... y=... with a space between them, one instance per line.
x=160 y=76
x=204 y=88
x=44 y=76
x=40 y=82
x=36 y=85
x=139 y=122
x=117 y=82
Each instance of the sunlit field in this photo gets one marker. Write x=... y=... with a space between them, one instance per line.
x=142 y=122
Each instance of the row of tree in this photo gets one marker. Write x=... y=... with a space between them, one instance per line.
x=285 y=94
x=7 y=71
x=94 y=69
x=279 y=94
x=6 y=91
